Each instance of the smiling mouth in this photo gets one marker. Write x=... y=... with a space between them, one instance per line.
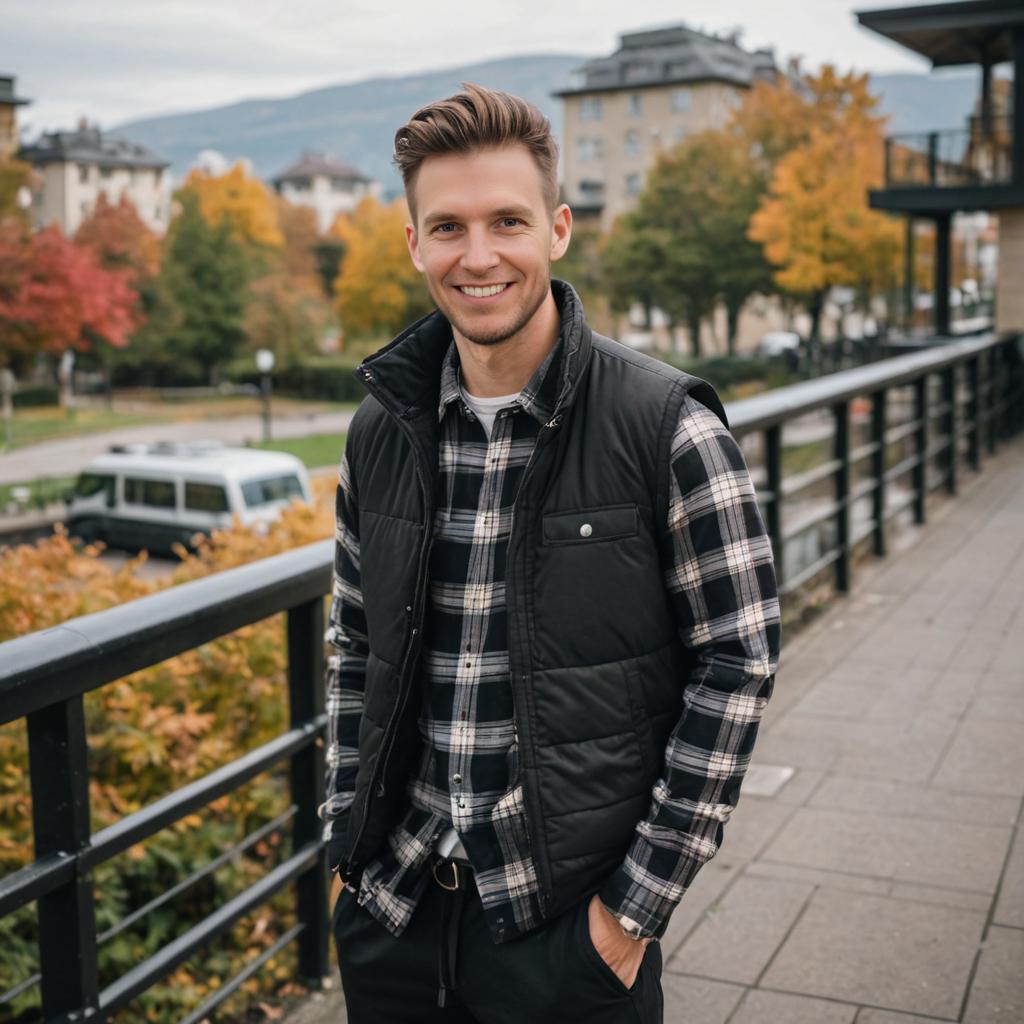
x=482 y=292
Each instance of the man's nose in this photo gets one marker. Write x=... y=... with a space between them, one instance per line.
x=479 y=255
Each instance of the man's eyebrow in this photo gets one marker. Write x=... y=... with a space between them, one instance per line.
x=438 y=218
x=522 y=212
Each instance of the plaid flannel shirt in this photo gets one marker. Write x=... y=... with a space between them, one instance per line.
x=718 y=570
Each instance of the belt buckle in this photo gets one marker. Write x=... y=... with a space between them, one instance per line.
x=455 y=876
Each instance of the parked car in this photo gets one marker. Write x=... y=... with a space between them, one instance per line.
x=777 y=343
x=153 y=496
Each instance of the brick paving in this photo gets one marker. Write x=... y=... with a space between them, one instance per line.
x=883 y=883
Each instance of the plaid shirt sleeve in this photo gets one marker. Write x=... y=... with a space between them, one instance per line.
x=345 y=673
x=721 y=578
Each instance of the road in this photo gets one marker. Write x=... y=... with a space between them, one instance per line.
x=66 y=456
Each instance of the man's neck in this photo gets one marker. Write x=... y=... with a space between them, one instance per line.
x=490 y=371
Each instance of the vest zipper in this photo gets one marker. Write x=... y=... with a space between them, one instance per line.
x=414 y=634
x=529 y=805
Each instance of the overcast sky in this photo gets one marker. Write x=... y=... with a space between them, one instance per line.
x=111 y=60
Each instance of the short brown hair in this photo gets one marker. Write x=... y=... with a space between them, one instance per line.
x=476 y=118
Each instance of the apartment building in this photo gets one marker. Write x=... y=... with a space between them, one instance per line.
x=77 y=167
x=326 y=185
x=660 y=86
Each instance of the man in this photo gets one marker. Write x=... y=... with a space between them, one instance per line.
x=555 y=617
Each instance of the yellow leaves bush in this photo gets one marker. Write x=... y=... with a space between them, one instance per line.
x=150 y=733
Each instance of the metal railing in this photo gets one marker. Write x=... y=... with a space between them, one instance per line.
x=44 y=676
x=966 y=156
x=43 y=679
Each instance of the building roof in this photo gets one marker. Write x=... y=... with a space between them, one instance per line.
x=312 y=165
x=87 y=144
x=7 y=97
x=664 y=56
x=967 y=32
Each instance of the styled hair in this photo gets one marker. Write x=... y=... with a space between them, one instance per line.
x=474 y=119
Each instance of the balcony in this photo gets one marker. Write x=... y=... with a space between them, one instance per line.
x=964 y=157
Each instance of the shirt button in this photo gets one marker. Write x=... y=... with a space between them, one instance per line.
x=586 y=530
x=456 y=778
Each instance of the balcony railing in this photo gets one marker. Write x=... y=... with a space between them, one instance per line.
x=951 y=159
x=835 y=460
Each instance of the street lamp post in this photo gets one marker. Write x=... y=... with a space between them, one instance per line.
x=265 y=363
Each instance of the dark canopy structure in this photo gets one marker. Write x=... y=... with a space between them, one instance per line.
x=971 y=32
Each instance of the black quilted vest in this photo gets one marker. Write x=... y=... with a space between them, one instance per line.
x=597 y=667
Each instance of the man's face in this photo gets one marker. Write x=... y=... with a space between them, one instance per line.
x=484 y=239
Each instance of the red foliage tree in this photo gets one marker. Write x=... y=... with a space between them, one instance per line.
x=55 y=295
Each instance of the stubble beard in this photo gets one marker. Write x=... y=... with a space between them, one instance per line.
x=500 y=334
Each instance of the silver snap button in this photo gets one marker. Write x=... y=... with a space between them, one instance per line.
x=586 y=530
x=456 y=778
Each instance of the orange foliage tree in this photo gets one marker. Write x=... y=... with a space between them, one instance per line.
x=378 y=289
x=240 y=199
x=815 y=223
x=149 y=733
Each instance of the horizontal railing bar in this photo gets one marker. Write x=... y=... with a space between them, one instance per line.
x=23 y=986
x=195 y=795
x=806 y=573
x=902 y=430
x=864 y=451
x=232 y=986
x=197 y=876
x=801 y=481
x=134 y=982
x=897 y=505
x=35 y=880
x=41 y=669
x=781 y=404
x=811 y=520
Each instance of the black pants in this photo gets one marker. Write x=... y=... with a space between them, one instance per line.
x=549 y=976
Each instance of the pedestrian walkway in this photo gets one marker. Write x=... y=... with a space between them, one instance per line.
x=65 y=456
x=883 y=882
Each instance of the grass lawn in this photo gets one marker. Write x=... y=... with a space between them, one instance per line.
x=315 y=451
x=44 y=491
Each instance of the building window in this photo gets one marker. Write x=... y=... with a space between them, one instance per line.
x=106 y=172
x=636 y=105
x=83 y=174
x=633 y=143
x=591 y=191
x=589 y=149
x=590 y=108
x=633 y=184
x=679 y=100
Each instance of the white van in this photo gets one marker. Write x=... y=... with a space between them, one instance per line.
x=153 y=496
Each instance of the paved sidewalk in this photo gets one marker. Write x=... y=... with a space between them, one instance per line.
x=65 y=456
x=884 y=882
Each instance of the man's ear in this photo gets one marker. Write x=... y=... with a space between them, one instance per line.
x=561 y=231
x=412 y=241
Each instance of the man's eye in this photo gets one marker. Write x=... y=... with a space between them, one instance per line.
x=444 y=228
x=510 y=222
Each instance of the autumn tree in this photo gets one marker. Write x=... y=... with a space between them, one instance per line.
x=197 y=323
x=14 y=176
x=239 y=200
x=55 y=296
x=814 y=223
x=377 y=289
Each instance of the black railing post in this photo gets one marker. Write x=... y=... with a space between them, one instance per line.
x=773 y=513
x=878 y=467
x=888 y=162
x=842 y=490
x=306 y=702
x=990 y=394
x=974 y=382
x=921 y=434
x=933 y=157
x=58 y=763
x=950 y=425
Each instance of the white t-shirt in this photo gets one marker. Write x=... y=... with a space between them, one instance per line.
x=486 y=409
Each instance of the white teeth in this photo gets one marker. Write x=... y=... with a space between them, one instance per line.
x=482 y=293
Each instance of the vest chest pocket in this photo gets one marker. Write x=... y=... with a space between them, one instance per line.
x=590 y=525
